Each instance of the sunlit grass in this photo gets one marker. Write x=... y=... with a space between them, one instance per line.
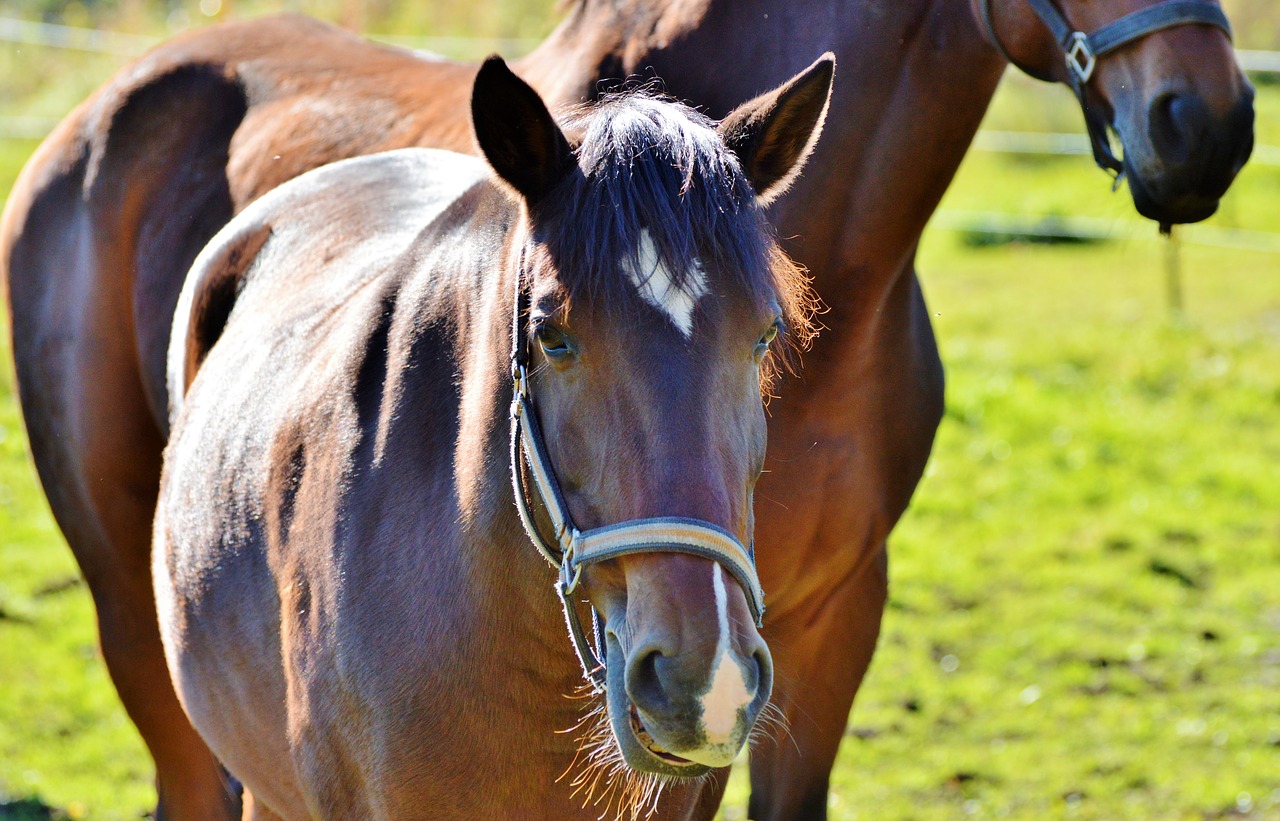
x=1083 y=619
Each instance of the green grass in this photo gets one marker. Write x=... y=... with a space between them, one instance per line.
x=1085 y=609
x=64 y=739
x=1084 y=618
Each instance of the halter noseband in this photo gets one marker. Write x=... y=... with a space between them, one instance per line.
x=1082 y=51
x=573 y=549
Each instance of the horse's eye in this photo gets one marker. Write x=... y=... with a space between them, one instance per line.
x=766 y=338
x=553 y=340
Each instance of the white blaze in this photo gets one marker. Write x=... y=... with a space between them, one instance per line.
x=656 y=285
x=728 y=692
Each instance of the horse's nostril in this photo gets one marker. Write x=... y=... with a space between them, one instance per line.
x=1177 y=124
x=644 y=684
x=764 y=673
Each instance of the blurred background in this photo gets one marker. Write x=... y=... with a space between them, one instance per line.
x=1085 y=606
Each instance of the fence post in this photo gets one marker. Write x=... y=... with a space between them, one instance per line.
x=1172 y=270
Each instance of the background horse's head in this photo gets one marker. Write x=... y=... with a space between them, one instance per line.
x=1175 y=96
x=656 y=293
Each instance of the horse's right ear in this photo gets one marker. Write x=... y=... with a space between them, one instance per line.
x=774 y=133
x=516 y=132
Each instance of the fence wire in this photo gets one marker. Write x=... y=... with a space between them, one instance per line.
x=53 y=35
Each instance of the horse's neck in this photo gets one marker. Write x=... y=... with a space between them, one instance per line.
x=913 y=79
x=449 y=348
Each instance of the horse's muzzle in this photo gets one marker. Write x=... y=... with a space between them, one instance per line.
x=683 y=714
x=1190 y=159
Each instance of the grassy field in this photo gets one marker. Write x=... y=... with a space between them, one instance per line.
x=1085 y=616
x=1085 y=612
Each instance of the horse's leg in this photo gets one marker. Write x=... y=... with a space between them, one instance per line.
x=819 y=664
x=702 y=801
x=69 y=265
x=98 y=468
x=189 y=781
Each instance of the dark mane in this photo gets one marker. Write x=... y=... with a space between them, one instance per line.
x=646 y=163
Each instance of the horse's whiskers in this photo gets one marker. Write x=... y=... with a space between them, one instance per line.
x=772 y=718
x=604 y=780
x=772 y=724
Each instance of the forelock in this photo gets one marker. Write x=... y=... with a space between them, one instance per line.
x=651 y=167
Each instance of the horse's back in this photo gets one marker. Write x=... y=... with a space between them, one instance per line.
x=84 y=284
x=353 y=216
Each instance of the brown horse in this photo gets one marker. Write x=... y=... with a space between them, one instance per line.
x=107 y=217
x=353 y=616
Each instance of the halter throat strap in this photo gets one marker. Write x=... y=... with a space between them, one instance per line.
x=569 y=550
x=1081 y=51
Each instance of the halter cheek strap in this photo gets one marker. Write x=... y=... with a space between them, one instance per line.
x=1082 y=51
x=570 y=549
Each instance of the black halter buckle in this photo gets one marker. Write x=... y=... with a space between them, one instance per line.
x=1080 y=58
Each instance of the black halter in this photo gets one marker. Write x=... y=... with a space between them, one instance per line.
x=1083 y=50
x=572 y=549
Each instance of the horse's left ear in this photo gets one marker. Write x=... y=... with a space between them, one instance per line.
x=774 y=133
x=516 y=132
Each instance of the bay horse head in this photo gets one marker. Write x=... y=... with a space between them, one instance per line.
x=1161 y=74
x=650 y=294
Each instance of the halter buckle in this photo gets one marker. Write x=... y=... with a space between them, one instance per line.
x=567 y=566
x=1080 y=58
x=521 y=378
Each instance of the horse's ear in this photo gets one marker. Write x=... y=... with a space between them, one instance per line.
x=774 y=133
x=516 y=132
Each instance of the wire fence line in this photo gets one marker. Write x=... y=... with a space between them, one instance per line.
x=1259 y=62
x=1099 y=228
x=56 y=35
x=119 y=44
x=31 y=32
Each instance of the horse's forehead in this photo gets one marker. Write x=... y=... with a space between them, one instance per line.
x=640 y=285
x=675 y=294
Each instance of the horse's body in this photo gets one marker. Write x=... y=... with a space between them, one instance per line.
x=325 y=307
x=848 y=442
x=352 y=613
x=378 y=631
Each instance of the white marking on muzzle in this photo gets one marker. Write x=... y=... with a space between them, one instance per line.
x=658 y=287
x=727 y=694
